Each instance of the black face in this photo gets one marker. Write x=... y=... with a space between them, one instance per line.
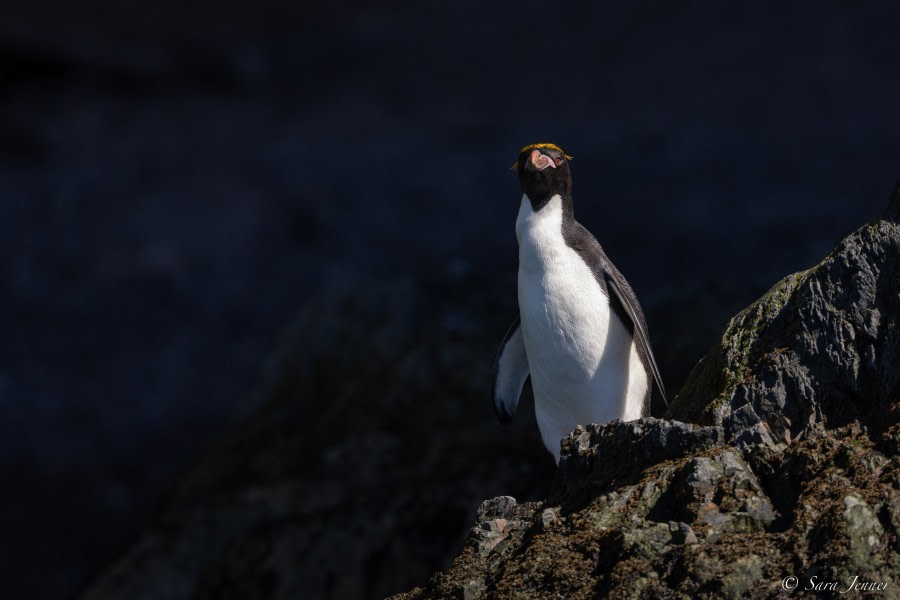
x=543 y=172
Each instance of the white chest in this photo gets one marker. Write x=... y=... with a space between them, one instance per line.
x=584 y=367
x=565 y=315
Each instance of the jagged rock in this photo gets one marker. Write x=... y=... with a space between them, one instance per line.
x=720 y=491
x=550 y=517
x=501 y=507
x=790 y=470
x=598 y=455
x=820 y=347
x=499 y=520
x=682 y=533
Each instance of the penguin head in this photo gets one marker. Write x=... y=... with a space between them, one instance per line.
x=544 y=172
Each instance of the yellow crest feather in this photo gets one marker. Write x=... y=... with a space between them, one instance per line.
x=538 y=147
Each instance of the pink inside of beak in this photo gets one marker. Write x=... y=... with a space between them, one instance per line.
x=541 y=161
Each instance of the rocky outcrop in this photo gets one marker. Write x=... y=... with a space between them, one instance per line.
x=787 y=478
x=821 y=347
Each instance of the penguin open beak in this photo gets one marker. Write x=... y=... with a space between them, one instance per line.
x=540 y=161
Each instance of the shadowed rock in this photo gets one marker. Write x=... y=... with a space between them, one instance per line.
x=821 y=347
x=356 y=473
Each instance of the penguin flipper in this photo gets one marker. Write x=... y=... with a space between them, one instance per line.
x=510 y=372
x=640 y=331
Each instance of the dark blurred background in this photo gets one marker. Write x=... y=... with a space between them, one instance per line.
x=178 y=178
